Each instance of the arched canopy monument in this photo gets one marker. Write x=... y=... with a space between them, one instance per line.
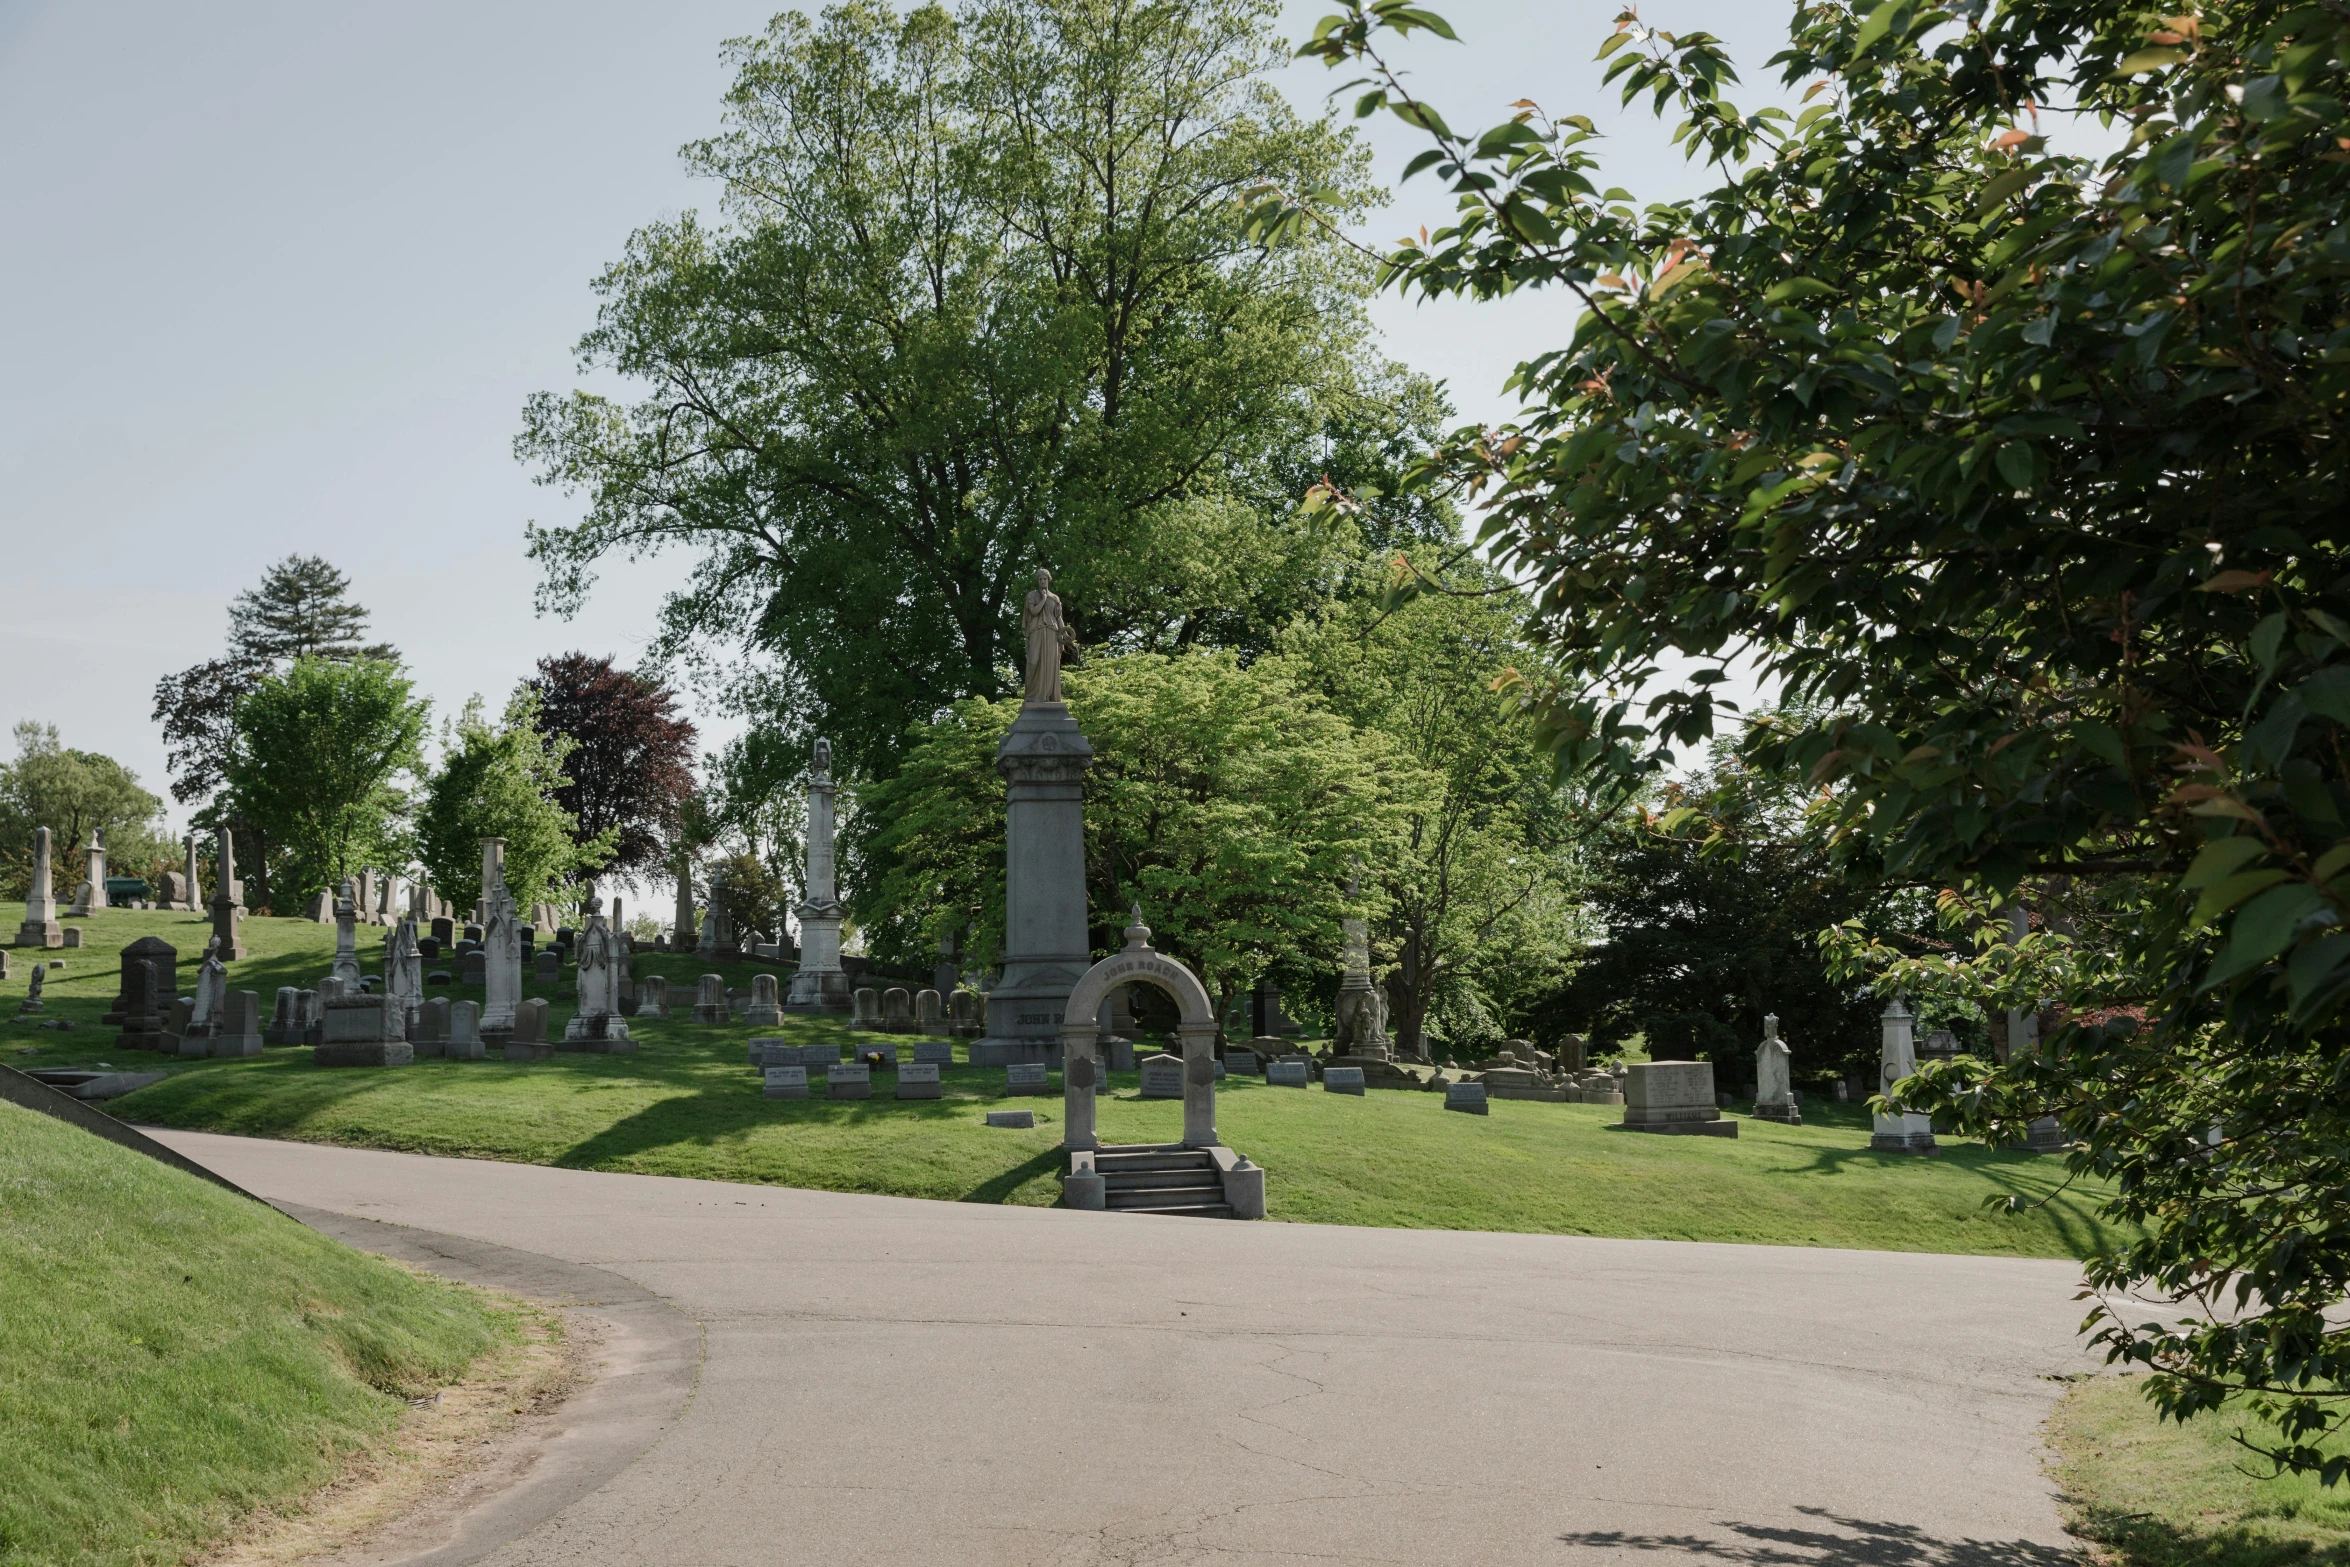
x=1138 y=964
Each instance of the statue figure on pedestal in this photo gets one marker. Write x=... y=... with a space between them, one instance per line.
x=1046 y=632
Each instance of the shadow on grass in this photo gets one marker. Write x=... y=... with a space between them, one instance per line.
x=1837 y=1542
x=999 y=1189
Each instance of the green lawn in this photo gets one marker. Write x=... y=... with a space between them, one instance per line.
x=173 y=1356
x=687 y=1104
x=2159 y=1494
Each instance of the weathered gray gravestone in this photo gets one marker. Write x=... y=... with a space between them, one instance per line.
x=1043 y=758
x=1343 y=1080
x=240 y=1025
x=1162 y=1077
x=710 y=1001
x=1774 y=1094
x=598 y=1027
x=785 y=1082
x=1242 y=1062
x=848 y=1080
x=527 y=1040
x=885 y=1055
x=918 y=1080
x=934 y=1052
x=227 y=913
x=929 y=1012
x=365 y=1031
x=1021 y=1119
x=897 y=1011
x=464 y=1042
x=766 y=1008
x=1468 y=1098
x=868 y=1014
x=820 y=985
x=963 y=1010
x=1675 y=1097
x=1289 y=1074
x=501 y=944
x=652 y=996
x=1025 y=1077
x=428 y=1031
x=1900 y=1133
x=547 y=968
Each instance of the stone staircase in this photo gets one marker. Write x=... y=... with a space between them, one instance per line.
x=1165 y=1178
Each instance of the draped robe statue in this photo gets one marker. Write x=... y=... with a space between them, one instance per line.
x=1047 y=634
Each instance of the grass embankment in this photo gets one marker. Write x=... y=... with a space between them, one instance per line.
x=174 y=1356
x=2158 y=1494
x=687 y=1104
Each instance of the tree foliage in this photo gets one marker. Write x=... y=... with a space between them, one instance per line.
x=979 y=301
x=299 y=609
x=1473 y=888
x=630 y=763
x=2021 y=470
x=73 y=793
x=313 y=765
x=1225 y=799
x=504 y=780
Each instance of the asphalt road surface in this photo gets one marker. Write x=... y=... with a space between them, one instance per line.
x=806 y=1377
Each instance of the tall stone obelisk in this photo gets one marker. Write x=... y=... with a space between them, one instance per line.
x=227 y=915
x=40 y=927
x=501 y=943
x=1044 y=761
x=820 y=985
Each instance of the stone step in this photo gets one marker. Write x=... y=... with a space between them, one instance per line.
x=1167 y=1196
x=1152 y=1161
x=1113 y=1149
x=1159 y=1180
x=1198 y=1210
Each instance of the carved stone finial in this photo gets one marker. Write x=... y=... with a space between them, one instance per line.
x=1138 y=934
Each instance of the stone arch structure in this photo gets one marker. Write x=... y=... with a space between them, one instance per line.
x=1081 y=1071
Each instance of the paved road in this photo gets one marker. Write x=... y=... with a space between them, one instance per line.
x=897 y=1382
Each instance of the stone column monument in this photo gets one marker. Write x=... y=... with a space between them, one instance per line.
x=1774 y=1089
x=346 y=965
x=194 y=902
x=93 y=892
x=1361 y=1009
x=820 y=985
x=1044 y=761
x=683 y=935
x=40 y=927
x=226 y=916
x=501 y=943
x=1900 y=1133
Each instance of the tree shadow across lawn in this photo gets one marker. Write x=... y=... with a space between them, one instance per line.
x=1837 y=1542
x=999 y=1188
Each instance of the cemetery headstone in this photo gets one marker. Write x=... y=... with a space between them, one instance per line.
x=73 y=936
x=652 y=996
x=1468 y=1098
x=868 y=1013
x=1022 y=1119
x=1025 y=1077
x=1162 y=1077
x=934 y=1052
x=766 y=1008
x=929 y=1012
x=1675 y=1097
x=848 y=1080
x=598 y=1027
x=766 y=1050
x=428 y=1033
x=228 y=910
x=364 y=1031
x=1343 y=1080
x=918 y=1080
x=428 y=949
x=710 y=1000
x=240 y=1025
x=528 y=1040
x=1774 y=1094
x=464 y=1042
x=1904 y=1133
x=883 y=1057
x=40 y=927
x=547 y=968
x=897 y=1011
x=785 y=1082
x=444 y=931
x=1288 y=1074
x=963 y=1012
x=1243 y=1062
x=283 y=1025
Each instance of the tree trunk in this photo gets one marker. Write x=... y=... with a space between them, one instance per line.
x=1408 y=1024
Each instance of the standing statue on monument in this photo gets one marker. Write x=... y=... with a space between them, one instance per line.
x=1046 y=632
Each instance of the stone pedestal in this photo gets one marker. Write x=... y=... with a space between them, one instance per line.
x=227 y=914
x=1046 y=944
x=1900 y=1133
x=1675 y=1097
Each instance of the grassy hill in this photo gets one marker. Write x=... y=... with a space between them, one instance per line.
x=687 y=1104
x=173 y=1356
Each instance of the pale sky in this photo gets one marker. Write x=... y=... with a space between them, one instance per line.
x=279 y=277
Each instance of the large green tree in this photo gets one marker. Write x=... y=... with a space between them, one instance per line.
x=2023 y=471
x=73 y=793
x=504 y=780
x=1473 y=889
x=980 y=301
x=1227 y=800
x=314 y=763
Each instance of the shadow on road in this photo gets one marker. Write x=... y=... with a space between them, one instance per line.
x=1838 y=1542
